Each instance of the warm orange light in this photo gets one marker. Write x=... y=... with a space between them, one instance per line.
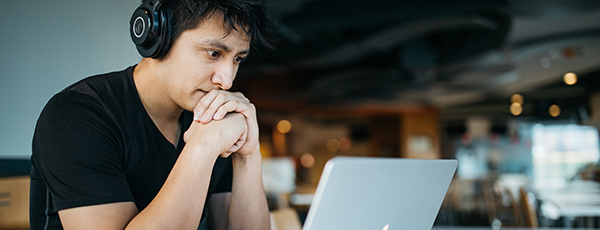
x=570 y=78
x=284 y=126
x=517 y=98
x=345 y=144
x=307 y=160
x=554 y=110
x=333 y=145
x=266 y=149
x=569 y=52
x=516 y=109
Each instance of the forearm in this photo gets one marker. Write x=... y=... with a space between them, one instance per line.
x=179 y=203
x=248 y=209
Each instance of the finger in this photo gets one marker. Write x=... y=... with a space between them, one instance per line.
x=237 y=146
x=252 y=132
x=242 y=139
x=215 y=102
x=230 y=106
x=223 y=103
x=234 y=148
x=241 y=97
x=240 y=142
x=250 y=113
x=203 y=104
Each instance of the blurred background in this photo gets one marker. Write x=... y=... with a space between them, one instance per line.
x=510 y=88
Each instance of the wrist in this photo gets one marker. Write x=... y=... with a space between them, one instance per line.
x=203 y=146
x=243 y=159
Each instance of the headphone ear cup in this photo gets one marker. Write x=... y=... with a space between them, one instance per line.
x=165 y=38
x=165 y=35
x=140 y=27
x=147 y=30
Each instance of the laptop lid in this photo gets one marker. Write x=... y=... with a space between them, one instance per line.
x=369 y=193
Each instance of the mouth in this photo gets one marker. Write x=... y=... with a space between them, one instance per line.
x=198 y=94
x=195 y=97
x=202 y=92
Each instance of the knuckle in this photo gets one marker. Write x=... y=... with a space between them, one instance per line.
x=204 y=103
x=221 y=96
x=242 y=96
x=198 y=108
x=211 y=93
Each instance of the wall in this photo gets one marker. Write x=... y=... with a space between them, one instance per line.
x=420 y=135
x=47 y=45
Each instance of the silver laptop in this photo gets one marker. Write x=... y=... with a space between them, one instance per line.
x=366 y=193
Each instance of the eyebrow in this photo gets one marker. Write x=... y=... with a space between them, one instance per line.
x=222 y=46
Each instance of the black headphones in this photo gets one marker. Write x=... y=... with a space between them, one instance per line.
x=149 y=29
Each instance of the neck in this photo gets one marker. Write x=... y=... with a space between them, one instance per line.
x=159 y=106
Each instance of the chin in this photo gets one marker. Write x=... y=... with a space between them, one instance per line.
x=188 y=106
x=192 y=103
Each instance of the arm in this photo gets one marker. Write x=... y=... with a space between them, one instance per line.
x=179 y=203
x=248 y=207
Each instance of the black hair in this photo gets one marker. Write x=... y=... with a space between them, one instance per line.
x=249 y=15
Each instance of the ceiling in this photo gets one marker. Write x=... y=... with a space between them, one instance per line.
x=459 y=57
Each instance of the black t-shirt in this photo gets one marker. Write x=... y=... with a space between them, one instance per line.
x=94 y=143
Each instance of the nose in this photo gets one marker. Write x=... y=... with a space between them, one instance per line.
x=224 y=75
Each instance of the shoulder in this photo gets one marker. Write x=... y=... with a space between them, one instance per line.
x=81 y=123
x=88 y=106
x=93 y=94
x=99 y=85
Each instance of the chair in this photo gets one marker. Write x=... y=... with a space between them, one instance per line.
x=529 y=210
x=501 y=206
x=285 y=219
x=490 y=202
x=516 y=209
x=14 y=202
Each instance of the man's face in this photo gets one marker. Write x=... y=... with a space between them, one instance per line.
x=201 y=60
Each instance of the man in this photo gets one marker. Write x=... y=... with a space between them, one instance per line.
x=124 y=151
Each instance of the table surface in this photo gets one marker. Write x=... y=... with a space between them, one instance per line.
x=579 y=198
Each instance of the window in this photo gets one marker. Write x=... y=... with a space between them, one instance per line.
x=559 y=151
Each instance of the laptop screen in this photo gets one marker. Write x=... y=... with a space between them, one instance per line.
x=379 y=193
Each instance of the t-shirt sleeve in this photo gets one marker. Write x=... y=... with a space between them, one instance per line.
x=77 y=152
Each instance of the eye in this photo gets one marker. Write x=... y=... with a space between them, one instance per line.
x=214 y=54
x=239 y=59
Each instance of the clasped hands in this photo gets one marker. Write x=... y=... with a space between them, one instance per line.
x=226 y=120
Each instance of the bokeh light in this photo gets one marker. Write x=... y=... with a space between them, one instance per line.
x=516 y=109
x=570 y=78
x=333 y=145
x=554 y=110
x=284 y=126
x=517 y=98
x=345 y=144
x=307 y=160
